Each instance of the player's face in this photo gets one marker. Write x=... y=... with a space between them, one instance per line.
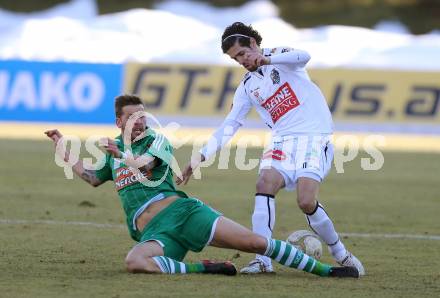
x=140 y=123
x=243 y=55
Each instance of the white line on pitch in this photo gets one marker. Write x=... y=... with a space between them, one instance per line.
x=112 y=226
x=391 y=236
x=54 y=222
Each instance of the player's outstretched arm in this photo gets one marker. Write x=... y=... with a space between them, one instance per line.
x=188 y=170
x=233 y=121
x=87 y=175
x=217 y=141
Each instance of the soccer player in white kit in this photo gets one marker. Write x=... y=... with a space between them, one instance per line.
x=300 y=153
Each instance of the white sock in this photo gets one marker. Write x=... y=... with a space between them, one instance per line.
x=263 y=220
x=323 y=226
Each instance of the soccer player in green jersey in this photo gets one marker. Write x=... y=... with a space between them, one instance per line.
x=164 y=221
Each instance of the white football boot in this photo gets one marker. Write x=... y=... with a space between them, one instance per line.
x=351 y=261
x=256 y=266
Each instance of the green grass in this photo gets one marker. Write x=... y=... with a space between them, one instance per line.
x=47 y=260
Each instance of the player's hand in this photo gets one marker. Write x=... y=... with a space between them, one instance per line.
x=54 y=135
x=188 y=170
x=110 y=146
x=257 y=58
x=186 y=174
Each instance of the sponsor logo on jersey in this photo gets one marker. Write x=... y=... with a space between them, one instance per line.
x=256 y=93
x=274 y=154
x=275 y=76
x=281 y=102
x=125 y=177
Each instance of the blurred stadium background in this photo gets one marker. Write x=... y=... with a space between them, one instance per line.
x=63 y=62
x=420 y=16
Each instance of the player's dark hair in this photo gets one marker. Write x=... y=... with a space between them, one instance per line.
x=241 y=33
x=125 y=100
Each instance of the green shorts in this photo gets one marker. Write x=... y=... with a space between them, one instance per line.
x=186 y=224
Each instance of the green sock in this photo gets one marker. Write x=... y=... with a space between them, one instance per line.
x=288 y=255
x=170 y=266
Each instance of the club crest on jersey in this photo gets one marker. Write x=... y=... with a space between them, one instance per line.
x=275 y=76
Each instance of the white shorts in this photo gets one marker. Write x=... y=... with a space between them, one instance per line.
x=299 y=156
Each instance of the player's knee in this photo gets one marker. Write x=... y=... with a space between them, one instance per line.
x=266 y=185
x=131 y=264
x=260 y=186
x=306 y=202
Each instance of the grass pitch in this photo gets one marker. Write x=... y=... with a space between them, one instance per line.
x=45 y=251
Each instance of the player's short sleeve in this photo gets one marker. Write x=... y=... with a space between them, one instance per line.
x=241 y=104
x=104 y=173
x=161 y=149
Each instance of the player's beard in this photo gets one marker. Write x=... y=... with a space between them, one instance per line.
x=251 y=68
x=137 y=131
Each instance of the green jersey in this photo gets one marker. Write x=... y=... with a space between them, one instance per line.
x=134 y=195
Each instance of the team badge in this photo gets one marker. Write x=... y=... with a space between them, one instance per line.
x=275 y=76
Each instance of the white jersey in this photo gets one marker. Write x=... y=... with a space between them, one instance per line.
x=284 y=96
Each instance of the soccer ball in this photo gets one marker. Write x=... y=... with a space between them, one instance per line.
x=306 y=241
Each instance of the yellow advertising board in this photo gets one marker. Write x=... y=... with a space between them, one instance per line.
x=352 y=95
x=184 y=90
x=381 y=96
